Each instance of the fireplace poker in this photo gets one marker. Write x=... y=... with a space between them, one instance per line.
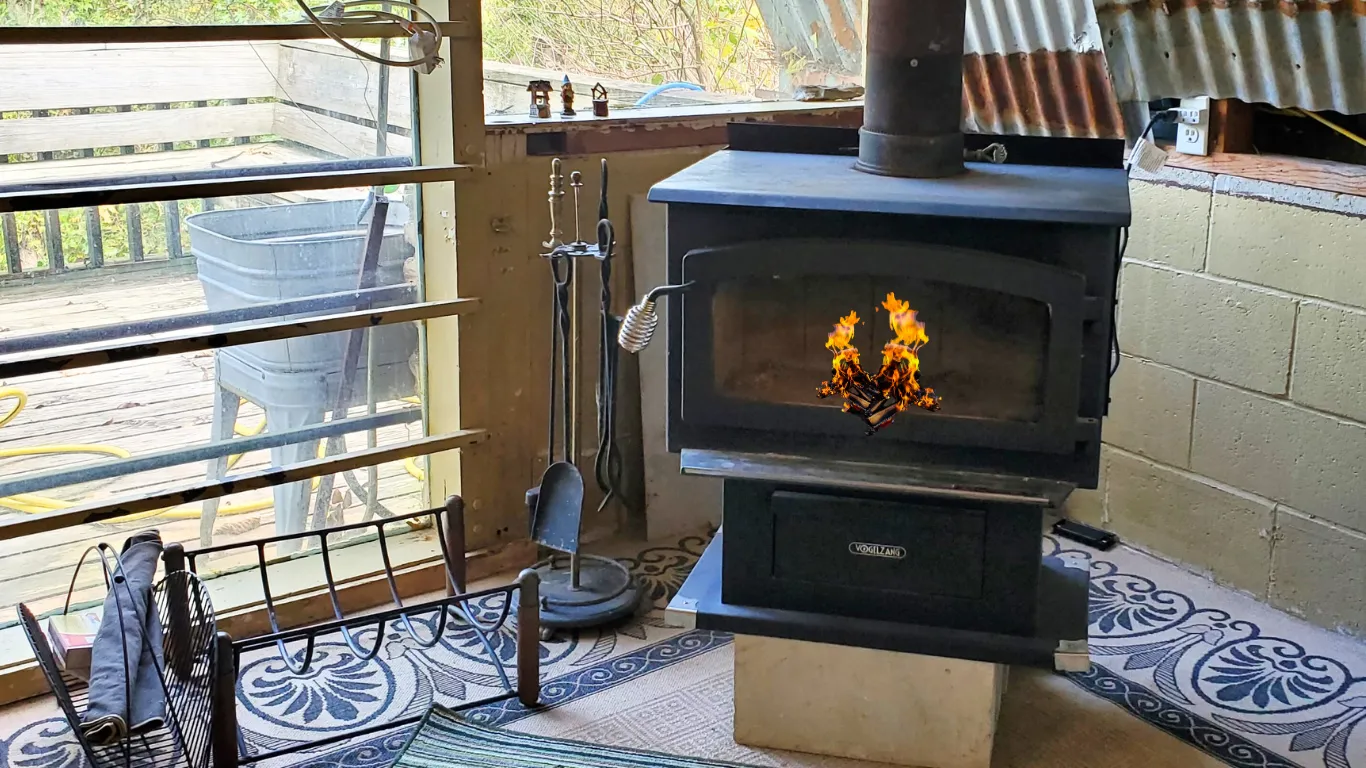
x=607 y=467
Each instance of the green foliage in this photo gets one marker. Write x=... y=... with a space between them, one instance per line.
x=721 y=45
x=130 y=12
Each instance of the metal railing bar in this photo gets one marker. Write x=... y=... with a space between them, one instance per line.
x=209 y=174
x=101 y=511
x=26 y=343
x=229 y=182
x=324 y=628
x=39 y=481
x=213 y=33
x=216 y=337
x=276 y=539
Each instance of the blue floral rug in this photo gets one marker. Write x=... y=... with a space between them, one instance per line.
x=1216 y=670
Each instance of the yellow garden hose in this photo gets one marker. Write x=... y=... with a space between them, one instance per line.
x=34 y=504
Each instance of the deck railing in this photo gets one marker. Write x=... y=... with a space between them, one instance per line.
x=278 y=102
x=59 y=252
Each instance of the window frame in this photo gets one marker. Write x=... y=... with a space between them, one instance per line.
x=450 y=145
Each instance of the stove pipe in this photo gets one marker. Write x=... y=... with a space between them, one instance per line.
x=913 y=102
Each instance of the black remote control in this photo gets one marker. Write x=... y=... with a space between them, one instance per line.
x=1086 y=534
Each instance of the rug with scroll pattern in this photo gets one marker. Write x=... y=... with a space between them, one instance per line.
x=1230 y=677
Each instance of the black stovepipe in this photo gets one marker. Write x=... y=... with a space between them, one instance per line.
x=913 y=103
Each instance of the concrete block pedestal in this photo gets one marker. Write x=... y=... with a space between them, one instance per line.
x=900 y=708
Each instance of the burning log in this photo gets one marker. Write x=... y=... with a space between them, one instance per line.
x=877 y=399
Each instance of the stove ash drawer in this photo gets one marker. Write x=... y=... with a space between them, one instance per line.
x=878 y=545
x=906 y=559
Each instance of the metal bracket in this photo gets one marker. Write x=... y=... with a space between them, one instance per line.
x=682 y=613
x=1072 y=656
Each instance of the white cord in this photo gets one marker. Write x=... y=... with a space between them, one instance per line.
x=423 y=42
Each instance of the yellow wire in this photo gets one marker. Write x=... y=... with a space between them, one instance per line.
x=1312 y=116
x=34 y=504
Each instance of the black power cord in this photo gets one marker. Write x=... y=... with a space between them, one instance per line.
x=1164 y=114
x=1122 y=246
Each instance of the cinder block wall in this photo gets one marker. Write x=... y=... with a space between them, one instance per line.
x=1236 y=441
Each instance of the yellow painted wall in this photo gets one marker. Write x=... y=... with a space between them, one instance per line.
x=501 y=217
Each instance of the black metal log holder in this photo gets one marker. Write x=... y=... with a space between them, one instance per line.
x=192 y=679
x=451 y=610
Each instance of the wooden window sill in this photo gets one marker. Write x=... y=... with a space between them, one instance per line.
x=1326 y=175
x=652 y=128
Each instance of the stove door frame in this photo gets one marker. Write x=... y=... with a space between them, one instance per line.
x=1059 y=427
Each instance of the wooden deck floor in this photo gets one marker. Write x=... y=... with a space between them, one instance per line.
x=140 y=406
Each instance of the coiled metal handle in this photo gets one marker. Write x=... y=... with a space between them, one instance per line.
x=638 y=327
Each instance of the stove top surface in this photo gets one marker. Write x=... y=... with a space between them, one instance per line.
x=1098 y=196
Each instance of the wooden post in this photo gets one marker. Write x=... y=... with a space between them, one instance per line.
x=13 y=264
x=529 y=638
x=1231 y=126
x=94 y=236
x=10 y=236
x=223 y=720
x=455 y=545
x=52 y=238
x=132 y=220
x=52 y=221
x=171 y=210
x=178 y=611
x=240 y=139
x=132 y=214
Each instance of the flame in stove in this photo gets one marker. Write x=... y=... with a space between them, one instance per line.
x=877 y=399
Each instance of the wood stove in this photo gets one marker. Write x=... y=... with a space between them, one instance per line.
x=897 y=361
x=924 y=534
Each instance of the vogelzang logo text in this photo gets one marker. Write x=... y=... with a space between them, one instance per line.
x=877 y=550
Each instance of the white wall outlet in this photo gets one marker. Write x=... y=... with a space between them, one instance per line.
x=1192 y=135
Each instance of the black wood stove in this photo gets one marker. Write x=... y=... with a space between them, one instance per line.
x=916 y=528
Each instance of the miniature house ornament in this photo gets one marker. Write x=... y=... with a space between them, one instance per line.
x=599 y=101
x=540 y=98
x=567 y=98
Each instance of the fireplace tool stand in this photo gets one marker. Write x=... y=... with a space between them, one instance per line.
x=577 y=589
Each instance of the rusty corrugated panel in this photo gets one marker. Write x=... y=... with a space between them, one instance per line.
x=1289 y=53
x=1031 y=67
x=1036 y=68
x=1041 y=93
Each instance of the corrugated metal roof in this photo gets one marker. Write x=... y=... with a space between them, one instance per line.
x=1031 y=67
x=1036 y=68
x=1290 y=53
x=827 y=34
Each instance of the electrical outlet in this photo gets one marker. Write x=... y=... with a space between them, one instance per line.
x=1192 y=135
x=1192 y=139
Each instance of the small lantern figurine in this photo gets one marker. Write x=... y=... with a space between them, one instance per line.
x=599 y=101
x=540 y=98
x=567 y=98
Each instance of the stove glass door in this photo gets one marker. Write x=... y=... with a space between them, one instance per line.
x=997 y=339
